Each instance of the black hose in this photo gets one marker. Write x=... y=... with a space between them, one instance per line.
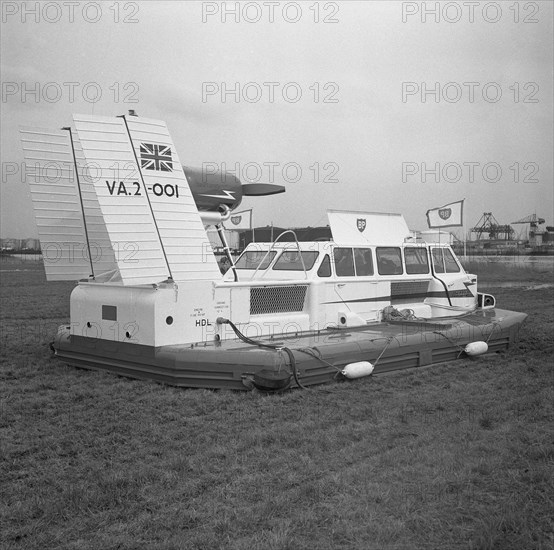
x=247 y=340
x=292 y=360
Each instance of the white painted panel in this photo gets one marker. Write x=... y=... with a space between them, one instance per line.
x=367 y=228
x=101 y=248
x=182 y=232
x=58 y=213
x=123 y=203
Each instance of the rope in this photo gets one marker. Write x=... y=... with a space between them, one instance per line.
x=390 y=313
x=494 y=326
x=462 y=350
x=308 y=351
x=389 y=340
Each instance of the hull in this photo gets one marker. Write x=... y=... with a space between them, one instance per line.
x=315 y=357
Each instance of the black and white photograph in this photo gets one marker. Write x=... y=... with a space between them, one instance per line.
x=277 y=275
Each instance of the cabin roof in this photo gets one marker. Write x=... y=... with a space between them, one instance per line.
x=325 y=246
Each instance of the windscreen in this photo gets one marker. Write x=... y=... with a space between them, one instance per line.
x=290 y=260
x=251 y=259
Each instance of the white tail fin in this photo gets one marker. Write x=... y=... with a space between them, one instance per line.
x=101 y=251
x=59 y=209
x=145 y=200
x=124 y=207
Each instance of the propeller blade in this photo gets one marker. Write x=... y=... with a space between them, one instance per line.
x=261 y=189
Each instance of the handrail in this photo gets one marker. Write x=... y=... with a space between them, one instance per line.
x=224 y=216
x=271 y=248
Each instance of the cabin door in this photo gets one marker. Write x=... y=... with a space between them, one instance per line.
x=452 y=285
x=355 y=289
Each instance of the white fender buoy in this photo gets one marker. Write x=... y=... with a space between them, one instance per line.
x=476 y=348
x=357 y=370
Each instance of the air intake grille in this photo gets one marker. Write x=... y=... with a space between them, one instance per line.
x=414 y=291
x=277 y=299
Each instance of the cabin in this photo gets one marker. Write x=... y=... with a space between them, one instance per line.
x=326 y=284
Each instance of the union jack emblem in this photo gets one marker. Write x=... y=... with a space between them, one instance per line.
x=156 y=157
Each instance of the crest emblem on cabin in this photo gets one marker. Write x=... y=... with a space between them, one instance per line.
x=361 y=224
x=156 y=157
x=445 y=213
x=236 y=219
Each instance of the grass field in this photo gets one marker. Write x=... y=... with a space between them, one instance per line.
x=458 y=455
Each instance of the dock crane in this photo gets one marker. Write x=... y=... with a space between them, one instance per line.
x=488 y=224
x=534 y=222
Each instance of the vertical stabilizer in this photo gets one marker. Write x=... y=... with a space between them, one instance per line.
x=102 y=253
x=112 y=170
x=58 y=211
x=145 y=199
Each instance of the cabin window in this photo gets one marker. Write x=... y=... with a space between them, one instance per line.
x=416 y=261
x=325 y=267
x=450 y=262
x=438 y=264
x=363 y=262
x=389 y=261
x=290 y=260
x=344 y=262
x=251 y=259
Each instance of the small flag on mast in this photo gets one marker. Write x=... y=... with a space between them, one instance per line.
x=239 y=221
x=449 y=215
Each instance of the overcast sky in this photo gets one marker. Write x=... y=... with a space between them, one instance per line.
x=352 y=112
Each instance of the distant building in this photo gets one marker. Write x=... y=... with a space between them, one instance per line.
x=10 y=244
x=19 y=245
x=548 y=236
x=30 y=244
